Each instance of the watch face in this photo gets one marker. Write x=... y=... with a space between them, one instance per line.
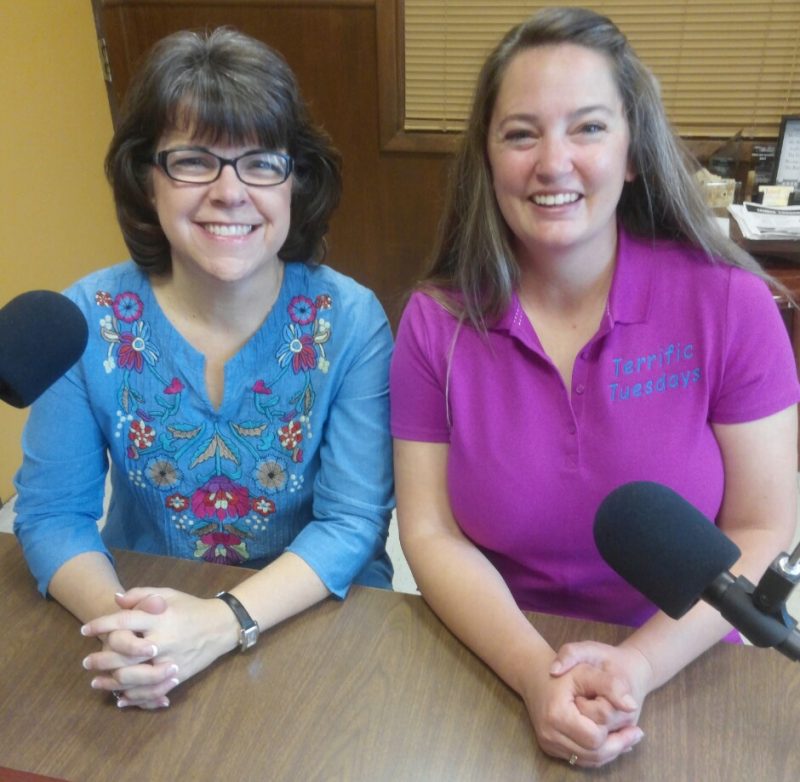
x=249 y=636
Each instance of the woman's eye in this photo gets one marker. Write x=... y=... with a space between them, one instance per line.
x=592 y=128
x=262 y=164
x=195 y=163
x=518 y=135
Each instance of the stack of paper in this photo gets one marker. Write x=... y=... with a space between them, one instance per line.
x=758 y=222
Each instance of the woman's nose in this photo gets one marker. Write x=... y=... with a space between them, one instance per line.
x=227 y=188
x=554 y=156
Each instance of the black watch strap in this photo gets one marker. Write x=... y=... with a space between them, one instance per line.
x=248 y=634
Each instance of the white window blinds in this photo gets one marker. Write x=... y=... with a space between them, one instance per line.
x=724 y=65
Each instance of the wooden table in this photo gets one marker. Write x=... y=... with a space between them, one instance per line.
x=373 y=688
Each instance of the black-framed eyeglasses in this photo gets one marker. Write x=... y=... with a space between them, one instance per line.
x=198 y=166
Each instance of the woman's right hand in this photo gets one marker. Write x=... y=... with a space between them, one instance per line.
x=124 y=648
x=556 y=708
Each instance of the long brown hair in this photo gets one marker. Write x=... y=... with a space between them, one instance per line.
x=473 y=270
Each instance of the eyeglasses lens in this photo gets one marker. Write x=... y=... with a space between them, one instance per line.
x=254 y=168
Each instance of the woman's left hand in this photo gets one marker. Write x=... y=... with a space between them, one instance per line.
x=625 y=662
x=188 y=632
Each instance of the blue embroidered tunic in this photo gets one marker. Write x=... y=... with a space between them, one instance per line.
x=296 y=458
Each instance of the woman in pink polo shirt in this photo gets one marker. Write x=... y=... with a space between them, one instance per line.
x=583 y=325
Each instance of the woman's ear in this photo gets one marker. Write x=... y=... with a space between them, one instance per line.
x=149 y=188
x=631 y=173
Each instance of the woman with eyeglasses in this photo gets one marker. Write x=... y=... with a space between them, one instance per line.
x=237 y=387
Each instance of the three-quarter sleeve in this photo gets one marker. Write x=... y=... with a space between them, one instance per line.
x=60 y=485
x=353 y=489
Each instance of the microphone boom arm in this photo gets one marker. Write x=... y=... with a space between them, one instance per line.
x=734 y=598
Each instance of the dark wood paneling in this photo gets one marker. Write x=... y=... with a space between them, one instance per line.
x=384 y=227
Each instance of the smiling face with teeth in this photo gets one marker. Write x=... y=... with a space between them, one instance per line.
x=558 y=150
x=226 y=230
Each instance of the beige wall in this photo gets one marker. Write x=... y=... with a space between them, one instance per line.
x=55 y=208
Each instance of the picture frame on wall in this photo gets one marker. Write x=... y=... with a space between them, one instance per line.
x=787 y=154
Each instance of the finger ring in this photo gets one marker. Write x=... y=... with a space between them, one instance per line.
x=573 y=759
x=117 y=694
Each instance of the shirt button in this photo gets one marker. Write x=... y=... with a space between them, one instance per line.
x=580 y=388
x=571 y=430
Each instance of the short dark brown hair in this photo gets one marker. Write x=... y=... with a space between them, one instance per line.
x=223 y=87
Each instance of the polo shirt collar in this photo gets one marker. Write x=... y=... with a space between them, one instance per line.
x=629 y=297
x=631 y=289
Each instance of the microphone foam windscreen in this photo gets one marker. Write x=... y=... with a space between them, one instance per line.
x=42 y=334
x=661 y=545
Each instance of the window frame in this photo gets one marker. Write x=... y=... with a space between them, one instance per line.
x=390 y=21
x=390 y=35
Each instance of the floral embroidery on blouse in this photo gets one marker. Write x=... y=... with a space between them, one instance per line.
x=198 y=467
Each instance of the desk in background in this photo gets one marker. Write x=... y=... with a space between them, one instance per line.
x=373 y=688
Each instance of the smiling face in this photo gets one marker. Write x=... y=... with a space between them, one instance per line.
x=225 y=231
x=558 y=150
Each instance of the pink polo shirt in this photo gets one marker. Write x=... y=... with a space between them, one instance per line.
x=684 y=344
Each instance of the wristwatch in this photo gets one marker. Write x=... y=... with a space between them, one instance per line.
x=248 y=634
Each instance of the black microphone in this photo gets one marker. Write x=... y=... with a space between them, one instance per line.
x=42 y=334
x=670 y=552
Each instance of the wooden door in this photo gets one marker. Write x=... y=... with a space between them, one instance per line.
x=383 y=230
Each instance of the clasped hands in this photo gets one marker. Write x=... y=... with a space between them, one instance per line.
x=589 y=702
x=158 y=638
